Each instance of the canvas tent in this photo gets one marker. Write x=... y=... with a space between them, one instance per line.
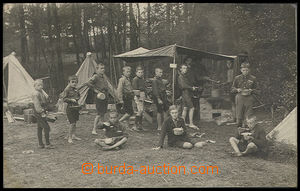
x=19 y=88
x=131 y=53
x=172 y=51
x=286 y=130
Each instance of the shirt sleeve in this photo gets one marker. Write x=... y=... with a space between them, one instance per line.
x=91 y=82
x=36 y=103
x=155 y=89
x=120 y=89
x=182 y=83
x=259 y=138
x=234 y=85
x=65 y=96
x=163 y=134
x=254 y=88
x=134 y=84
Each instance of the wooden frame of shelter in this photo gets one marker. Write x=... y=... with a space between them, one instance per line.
x=172 y=51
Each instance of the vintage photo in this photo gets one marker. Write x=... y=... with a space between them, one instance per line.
x=149 y=95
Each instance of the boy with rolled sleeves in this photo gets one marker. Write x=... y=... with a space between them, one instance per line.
x=160 y=97
x=245 y=87
x=138 y=85
x=99 y=84
x=187 y=89
x=71 y=97
x=40 y=102
x=125 y=93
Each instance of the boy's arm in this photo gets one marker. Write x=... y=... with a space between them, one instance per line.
x=234 y=86
x=91 y=83
x=259 y=138
x=182 y=84
x=254 y=87
x=163 y=134
x=36 y=103
x=134 y=84
x=120 y=90
x=65 y=97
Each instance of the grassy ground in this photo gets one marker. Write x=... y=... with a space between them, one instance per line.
x=62 y=167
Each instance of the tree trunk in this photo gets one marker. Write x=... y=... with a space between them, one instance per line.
x=74 y=16
x=124 y=8
x=23 y=36
x=139 y=25
x=168 y=10
x=133 y=36
x=60 y=72
x=185 y=17
x=149 y=25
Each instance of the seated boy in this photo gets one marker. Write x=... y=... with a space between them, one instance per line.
x=71 y=97
x=249 y=140
x=114 y=132
x=181 y=140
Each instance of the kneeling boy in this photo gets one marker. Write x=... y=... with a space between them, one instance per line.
x=114 y=132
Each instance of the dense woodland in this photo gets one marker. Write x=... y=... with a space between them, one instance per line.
x=48 y=37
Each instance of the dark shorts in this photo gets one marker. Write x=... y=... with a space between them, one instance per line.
x=72 y=115
x=242 y=145
x=101 y=106
x=187 y=99
x=164 y=107
x=127 y=106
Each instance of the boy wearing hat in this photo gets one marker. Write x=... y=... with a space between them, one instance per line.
x=244 y=86
x=99 y=84
x=251 y=139
x=71 y=97
x=138 y=85
x=125 y=93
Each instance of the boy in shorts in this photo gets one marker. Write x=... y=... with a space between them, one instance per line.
x=249 y=140
x=125 y=93
x=71 y=97
x=187 y=90
x=174 y=140
x=99 y=84
x=160 y=97
x=114 y=133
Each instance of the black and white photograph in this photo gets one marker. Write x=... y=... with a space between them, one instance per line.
x=149 y=95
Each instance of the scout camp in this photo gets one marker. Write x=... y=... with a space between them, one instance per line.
x=143 y=95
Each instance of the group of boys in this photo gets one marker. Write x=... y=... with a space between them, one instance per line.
x=244 y=86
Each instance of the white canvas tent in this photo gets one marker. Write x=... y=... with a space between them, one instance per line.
x=20 y=84
x=286 y=130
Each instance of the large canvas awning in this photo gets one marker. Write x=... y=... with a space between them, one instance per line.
x=170 y=51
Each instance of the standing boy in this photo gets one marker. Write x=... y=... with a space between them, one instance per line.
x=40 y=101
x=160 y=97
x=98 y=83
x=187 y=92
x=125 y=93
x=138 y=84
x=71 y=97
x=245 y=86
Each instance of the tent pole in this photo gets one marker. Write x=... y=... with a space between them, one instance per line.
x=173 y=83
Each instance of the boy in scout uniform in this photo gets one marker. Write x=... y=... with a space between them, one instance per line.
x=245 y=86
x=125 y=93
